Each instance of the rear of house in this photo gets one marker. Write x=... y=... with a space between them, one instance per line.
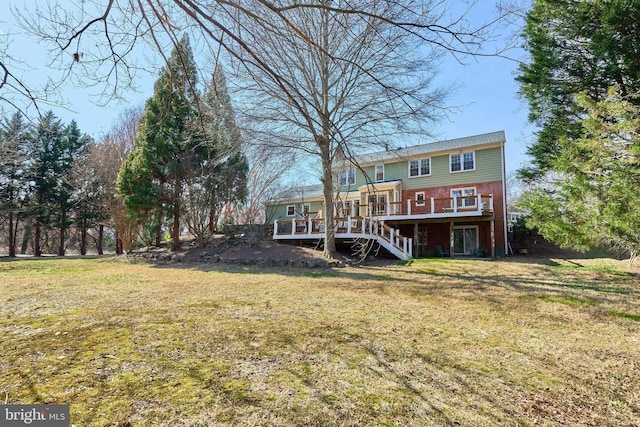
x=442 y=198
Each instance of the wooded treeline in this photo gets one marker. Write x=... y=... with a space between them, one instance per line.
x=177 y=165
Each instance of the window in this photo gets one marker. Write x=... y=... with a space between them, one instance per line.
x=291 y=210
x=420 y=198
x=379 y=173
x=343 y=209
x=462 y=162
x=466 y=197
x=378 y=204
x=305 y=209
x=420 y=167
x=347 y=177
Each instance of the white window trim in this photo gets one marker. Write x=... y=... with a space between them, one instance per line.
x=462 y=169
x=464 y=198
x=294 y=210
x=423 y=202
x=347 y=177
x=419 y=167
x=375 y=171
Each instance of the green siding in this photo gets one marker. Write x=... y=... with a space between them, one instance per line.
x=279 y=210
x=488 y=168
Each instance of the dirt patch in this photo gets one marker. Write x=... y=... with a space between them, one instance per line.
x=240 y=250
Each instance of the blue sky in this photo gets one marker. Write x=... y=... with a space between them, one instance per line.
x=486 y=96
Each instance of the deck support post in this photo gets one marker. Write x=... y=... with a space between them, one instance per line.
x=451 y=239
x=493 y=238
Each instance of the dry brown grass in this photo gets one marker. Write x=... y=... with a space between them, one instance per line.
x=549 y=342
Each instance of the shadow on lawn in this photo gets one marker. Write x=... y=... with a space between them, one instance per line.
x=291 y=272
x=427 y=277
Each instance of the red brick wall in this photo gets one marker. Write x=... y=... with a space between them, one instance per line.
x=439 y=234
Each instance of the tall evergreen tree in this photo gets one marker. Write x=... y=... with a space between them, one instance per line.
x=228 y=166
x=155 y=172
x=54 y=149
x=594 y=201
x=575 y=47
x=13 y=185
x=47 y=135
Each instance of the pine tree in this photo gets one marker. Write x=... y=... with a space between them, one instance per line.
x=228 y=165
x=575 y=47
x=13 y=185
x=53 y=150
x=593 y=202
x=152 y=178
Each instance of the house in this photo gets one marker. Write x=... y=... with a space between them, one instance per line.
x=445 y=198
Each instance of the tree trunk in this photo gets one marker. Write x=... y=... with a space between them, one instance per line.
x=119 y=249
x=175 y=233
x=213 y=226
x=37 y=244
x=324 y=143
x=327 y=191
x=25 y=240
x=83 y=238
x=100 y=239
x=159 y=231
x=12 y=235
x=63 y=218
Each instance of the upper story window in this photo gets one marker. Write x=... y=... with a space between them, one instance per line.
x=291 y=210
x=462 y=162
x=379 y=173
x=347 y=177
x=420 y=167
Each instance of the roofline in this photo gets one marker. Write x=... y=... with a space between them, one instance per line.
x=486 y=140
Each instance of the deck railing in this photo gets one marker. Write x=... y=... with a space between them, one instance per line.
x=449 y=205
x=347 y=227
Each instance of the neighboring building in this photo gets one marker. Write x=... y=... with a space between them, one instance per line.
x=444 y=198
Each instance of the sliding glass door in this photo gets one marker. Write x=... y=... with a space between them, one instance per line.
x=465 y=240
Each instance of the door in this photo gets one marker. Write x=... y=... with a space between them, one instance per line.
x=378 y=204
x=465 y=240
x=420 y=241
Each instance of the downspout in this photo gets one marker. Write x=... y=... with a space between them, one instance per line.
x=504 y=198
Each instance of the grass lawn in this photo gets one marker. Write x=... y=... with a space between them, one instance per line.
x=471 y=343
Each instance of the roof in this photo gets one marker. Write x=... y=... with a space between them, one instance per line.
x=302 y=192
x=433 y=147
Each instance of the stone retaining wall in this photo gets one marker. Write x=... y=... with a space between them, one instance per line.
x=209 y=258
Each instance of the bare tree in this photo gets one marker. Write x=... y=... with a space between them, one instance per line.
x=268 y=167
x=107 y=158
